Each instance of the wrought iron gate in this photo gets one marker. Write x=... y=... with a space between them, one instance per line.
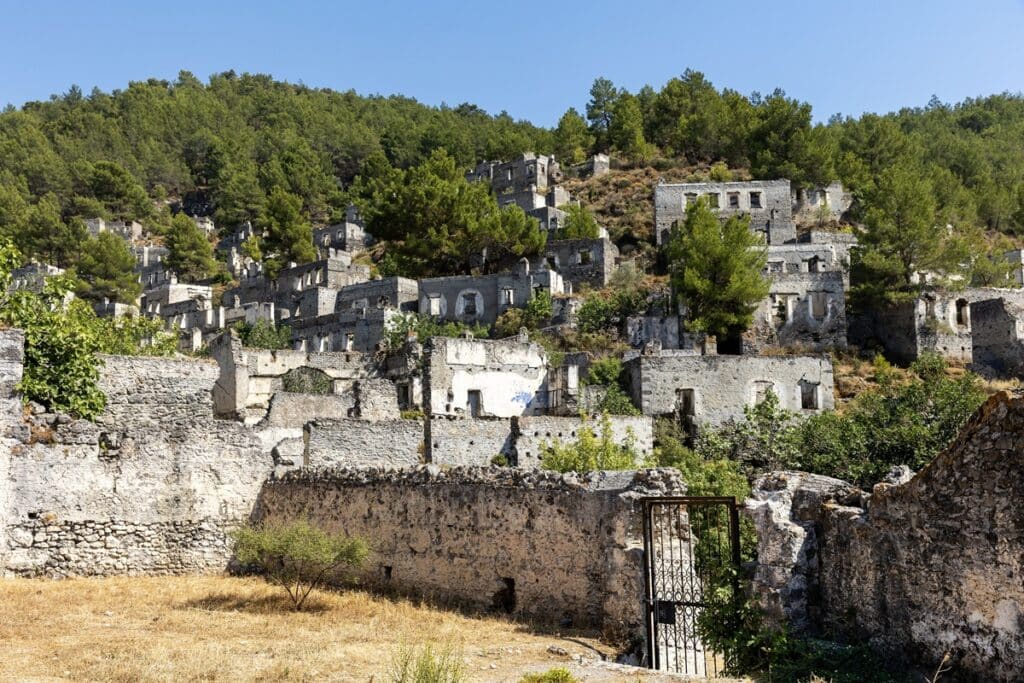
x=691 y=547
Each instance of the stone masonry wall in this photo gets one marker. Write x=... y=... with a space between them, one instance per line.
x=917 y=569
x=151 y=487
x=533 y=544
x=362 y=443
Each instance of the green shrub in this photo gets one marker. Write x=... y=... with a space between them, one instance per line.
x=426 y=665
x=559 y=675
x=63 y=339
x=264 y=335
x=499 y=460
x=425 y=327
x=608 y=372
x=535 y=314
x=411 y=414
x=298 y=556
x=591 y=452
x=305 y=380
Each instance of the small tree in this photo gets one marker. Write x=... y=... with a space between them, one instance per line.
x=717 y=271
x=591 y=452
x=106 y=270
x=579 y=224
x=190 y=254
x=298 y=556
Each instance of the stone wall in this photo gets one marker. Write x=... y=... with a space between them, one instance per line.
x=151 y=487
x=532 y=433
x=715 y=388
x=463 y=441
x=997 y=338
x=362 y=443
x=802 y=310
x=559 y=548
x=918 y=568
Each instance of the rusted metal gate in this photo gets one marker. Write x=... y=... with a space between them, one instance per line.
x=691 y=548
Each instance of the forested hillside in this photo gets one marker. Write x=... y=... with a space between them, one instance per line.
x=238 y=139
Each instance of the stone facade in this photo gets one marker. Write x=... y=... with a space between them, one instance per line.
x=921 y=567
x=997 y=338
x=581 y=262
x=482 y=298
x=806 y=310
x=767 y=202
x=715 y=388
x=483 y=378
x=821 y=204
x=537 y=545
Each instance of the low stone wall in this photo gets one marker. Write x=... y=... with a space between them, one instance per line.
x=468 y=441
x=361 y=443
x=151 y=487
x=532 y=433
x=918 y=569
x=534 y=544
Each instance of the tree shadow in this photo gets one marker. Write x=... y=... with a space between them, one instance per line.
x=264 y=604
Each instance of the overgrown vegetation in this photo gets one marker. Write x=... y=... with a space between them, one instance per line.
x=64 y=337
x=427 y=664
x=425 y=326
x=264 y=334
x=593 y=450
x=557 y=675
x=535 y=314
x=298 y=556
x=609 y=374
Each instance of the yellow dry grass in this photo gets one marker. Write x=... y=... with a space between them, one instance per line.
x=218 y=628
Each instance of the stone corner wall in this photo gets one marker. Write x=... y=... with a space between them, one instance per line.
x=560 y=548
x=923 y=566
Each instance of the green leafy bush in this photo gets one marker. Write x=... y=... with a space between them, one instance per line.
x=426 y=326
x=608 y=372
x=298 y=556
x=534 y=315
x=559 y=675
x=426 y=665
x=63 y=339
x=591 y=451
x=263 y=334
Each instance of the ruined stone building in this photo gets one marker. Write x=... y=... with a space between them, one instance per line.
x=349 y=235
x=817 y=205
x=530 y=182
x=130 y=231
x=32 y=276
x=581 y=262
x=768 y=203
x=695 y=387
x=937 y=320
x=482 y=298
x=357 y=318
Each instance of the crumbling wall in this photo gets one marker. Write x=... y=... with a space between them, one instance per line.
x=151 y=487
x=997 y=338
x=533 y=433
x=462 y=441
x=718 y=387
x=918 y=569
x=556 y=547
x=362 y=443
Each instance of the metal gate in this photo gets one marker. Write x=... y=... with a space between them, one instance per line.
x=691 y=547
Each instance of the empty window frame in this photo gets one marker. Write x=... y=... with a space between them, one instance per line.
x=434 y=305
x=734 y=200
x=585 y=257
x=963 y=313
x=818 y=304
x=689 y=198
x=469 y=304
x=712 y=199
x=809 y=395
x=755 y=200
x=508 y=296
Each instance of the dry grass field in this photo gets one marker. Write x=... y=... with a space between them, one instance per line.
x=216 y=628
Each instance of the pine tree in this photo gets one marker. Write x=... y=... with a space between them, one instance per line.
x=572 y=139
x=627 y=128
x=717 y=271
x=289 y=235
x=106 y=270
x=190 y=254
x=603 y=95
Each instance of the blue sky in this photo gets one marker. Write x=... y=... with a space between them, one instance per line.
x=532 y=59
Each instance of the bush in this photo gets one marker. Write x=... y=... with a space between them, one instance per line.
x=535 y=314
x=591 y=452
x=608 y=372
x=264 y=335
x=63 y=339
x=425 y=327
x=559 y=675
x=426 y=666
x=298 y=556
